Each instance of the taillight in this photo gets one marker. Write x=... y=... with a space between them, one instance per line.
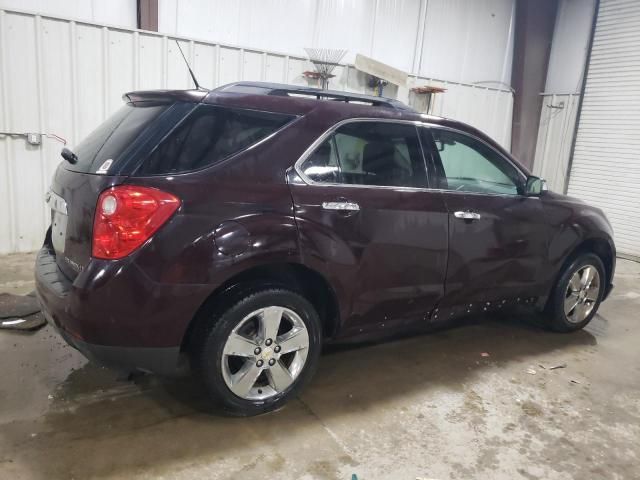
x=127 y=216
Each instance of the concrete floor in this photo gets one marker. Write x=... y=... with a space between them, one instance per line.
x=426 y=407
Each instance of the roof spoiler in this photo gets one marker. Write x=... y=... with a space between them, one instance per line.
x=164 y=96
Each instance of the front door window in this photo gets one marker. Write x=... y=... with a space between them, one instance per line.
x=468 y=165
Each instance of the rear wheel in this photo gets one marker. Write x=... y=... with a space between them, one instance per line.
x=577 y=295
x=261 y=351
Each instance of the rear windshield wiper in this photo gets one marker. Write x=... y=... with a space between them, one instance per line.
x=69 y=156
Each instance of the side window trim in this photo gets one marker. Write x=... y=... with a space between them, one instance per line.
x=427 y=145
x=329 y=134
x=435 y=158
x=427 y=162
x=334 y=146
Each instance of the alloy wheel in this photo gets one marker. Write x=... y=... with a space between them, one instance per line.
x=582 y=293
x=265 y=353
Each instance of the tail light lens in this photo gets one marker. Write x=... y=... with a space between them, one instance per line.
x=127 y=216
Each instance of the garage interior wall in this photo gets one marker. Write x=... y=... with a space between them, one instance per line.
x=113 y=12
x=605 y=168
x=457 y=40
x=561 y=95
x=64 y=76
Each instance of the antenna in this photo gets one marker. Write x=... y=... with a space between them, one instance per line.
x=198 y=87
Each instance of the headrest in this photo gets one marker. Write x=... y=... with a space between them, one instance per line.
x=377 y=156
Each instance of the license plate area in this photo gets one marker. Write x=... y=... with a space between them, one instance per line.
x=58 y=221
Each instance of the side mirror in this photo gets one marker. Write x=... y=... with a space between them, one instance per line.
x=535 y=187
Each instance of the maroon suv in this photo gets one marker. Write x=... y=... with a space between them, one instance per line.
x=236 y=231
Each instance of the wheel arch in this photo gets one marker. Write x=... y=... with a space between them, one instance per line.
x=294 y=276
x=602 y=247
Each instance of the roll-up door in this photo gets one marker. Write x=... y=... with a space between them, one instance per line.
x=605 y=170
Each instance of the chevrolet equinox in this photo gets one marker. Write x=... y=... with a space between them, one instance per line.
x=233 y=232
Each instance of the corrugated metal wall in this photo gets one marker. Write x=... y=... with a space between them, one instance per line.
x=569 y=47
x=459 y=40
x=64 y=77
x=555 y=134
x=117 y=12
x=561 y=98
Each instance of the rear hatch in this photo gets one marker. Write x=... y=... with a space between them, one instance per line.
x=105 y=158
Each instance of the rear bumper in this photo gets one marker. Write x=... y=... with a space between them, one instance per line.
x=162 y=361
x=84 y=322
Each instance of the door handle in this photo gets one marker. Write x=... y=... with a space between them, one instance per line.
x=341 y=206
x=467 y=215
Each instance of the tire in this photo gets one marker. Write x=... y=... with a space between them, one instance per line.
x=560 y=317
x=234 y=351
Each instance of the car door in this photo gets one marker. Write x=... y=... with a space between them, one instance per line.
x=368 y=221
x=498 y=237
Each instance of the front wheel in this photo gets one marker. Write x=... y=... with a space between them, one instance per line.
x=261 y=351
x=577 y=295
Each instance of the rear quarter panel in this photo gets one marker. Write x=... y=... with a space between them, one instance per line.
x=234 y=215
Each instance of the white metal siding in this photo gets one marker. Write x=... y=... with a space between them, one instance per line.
x=115 y=12
x=606 y=163
x=555 y=133
x=459 y=40
x=62 y=76
x=561 y=98
x=569 y=46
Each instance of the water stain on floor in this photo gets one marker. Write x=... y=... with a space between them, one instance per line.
x=429 y=406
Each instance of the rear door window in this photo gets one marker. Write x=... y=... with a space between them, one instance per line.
x=209 y=135
x=369 y=153
x=113 y=137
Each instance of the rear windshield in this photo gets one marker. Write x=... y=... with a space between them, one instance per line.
x=211 y=134
x=112 y=138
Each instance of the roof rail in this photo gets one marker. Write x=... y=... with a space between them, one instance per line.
x=281 y=89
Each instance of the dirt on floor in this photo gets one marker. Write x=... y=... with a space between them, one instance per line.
x=476 y=401
x=16 y=273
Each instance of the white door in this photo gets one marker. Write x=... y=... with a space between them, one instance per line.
x=605 y=170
